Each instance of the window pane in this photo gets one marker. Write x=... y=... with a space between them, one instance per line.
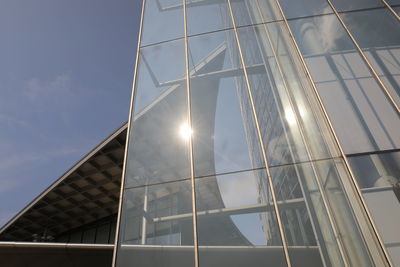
x=378 y=33
x=102 y=234
x=298 y=192
x=344 y=5
x=362 y=116
x=236 y=221
x=157 y=226
x=224 y=133
x=163 y=21
x=303 y=8
x=89 y=236
x=207 y=16
x=157 y=152
x=379 y=176
x=290 y=118
x=249 y=12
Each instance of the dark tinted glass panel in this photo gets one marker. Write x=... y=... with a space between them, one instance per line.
x=379 y=175
x=102 y=235
x=303 y=8
x=157 y=226
x=378 y=33
x=163 y=20
x=363 y=117
x=157 y=150
x=224 y=133
x=75 y=237
x=236 y=221
x=89 y=236
x=345 y=5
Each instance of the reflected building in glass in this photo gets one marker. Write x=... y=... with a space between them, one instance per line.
x=263 y=133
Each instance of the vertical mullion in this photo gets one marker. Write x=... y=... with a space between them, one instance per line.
x=359 y=197
x=130 y=120
x=189 y=107
x=269 y=177
x=365 y=59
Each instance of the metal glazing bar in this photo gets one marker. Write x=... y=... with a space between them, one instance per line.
x=355 y=187
x=190 y=141
x=309 y=152
x=130 y=120
x=364 y=57
x=269 y=177
x=391 y=9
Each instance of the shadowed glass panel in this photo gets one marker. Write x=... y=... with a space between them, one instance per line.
x=157 y=152
x=156 y=226
x=249 y=12
x=379 y=177
x=236 y=221
x=224 y=132
x=308 y=195
x=291 y=122
x=346 y=5
x=363 y=117
x=163 y=21
x=303 y=8
x=206 y=16
x=378 y=34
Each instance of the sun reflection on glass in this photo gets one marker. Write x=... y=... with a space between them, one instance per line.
x=185 y=131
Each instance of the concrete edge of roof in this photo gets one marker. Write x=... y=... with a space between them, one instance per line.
x=65 y=175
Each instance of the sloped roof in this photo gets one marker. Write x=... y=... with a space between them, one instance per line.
x=85 y=193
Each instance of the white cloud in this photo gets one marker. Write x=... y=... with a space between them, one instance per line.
x=37 y=89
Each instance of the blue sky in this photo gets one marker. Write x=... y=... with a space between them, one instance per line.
x=66 y=70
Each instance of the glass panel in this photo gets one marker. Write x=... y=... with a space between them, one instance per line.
x=397 y=10
x=102 y=234
x=306 y=217
x=378 y=33
x=157 y=226
x=89 y=236
x=379 y=176
x=249 y=12
x=206 y=16
x=224 y=133
x=362 y=116
x=157 y=151
x=163 y=21
x=303 y=8
x=290 y=118
x=345 y=5
x=236 y=221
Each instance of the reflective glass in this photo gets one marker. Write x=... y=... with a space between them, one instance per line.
x=345 y=5
x=156 y=227
x=307 y=195
x=397 y=10
x=224 y=133
x=378 y=33
x=379 y=176
x=363 y=118
x=157 y=151
x=303 y=8
x=207 y=16
x=249 y=12
x=236 y=221
x=291 y=122
x=393 y=2
x=163 y=21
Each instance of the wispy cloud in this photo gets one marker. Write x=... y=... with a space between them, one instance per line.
x=37 y=90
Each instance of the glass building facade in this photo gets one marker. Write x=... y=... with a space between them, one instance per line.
x=263 y=133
